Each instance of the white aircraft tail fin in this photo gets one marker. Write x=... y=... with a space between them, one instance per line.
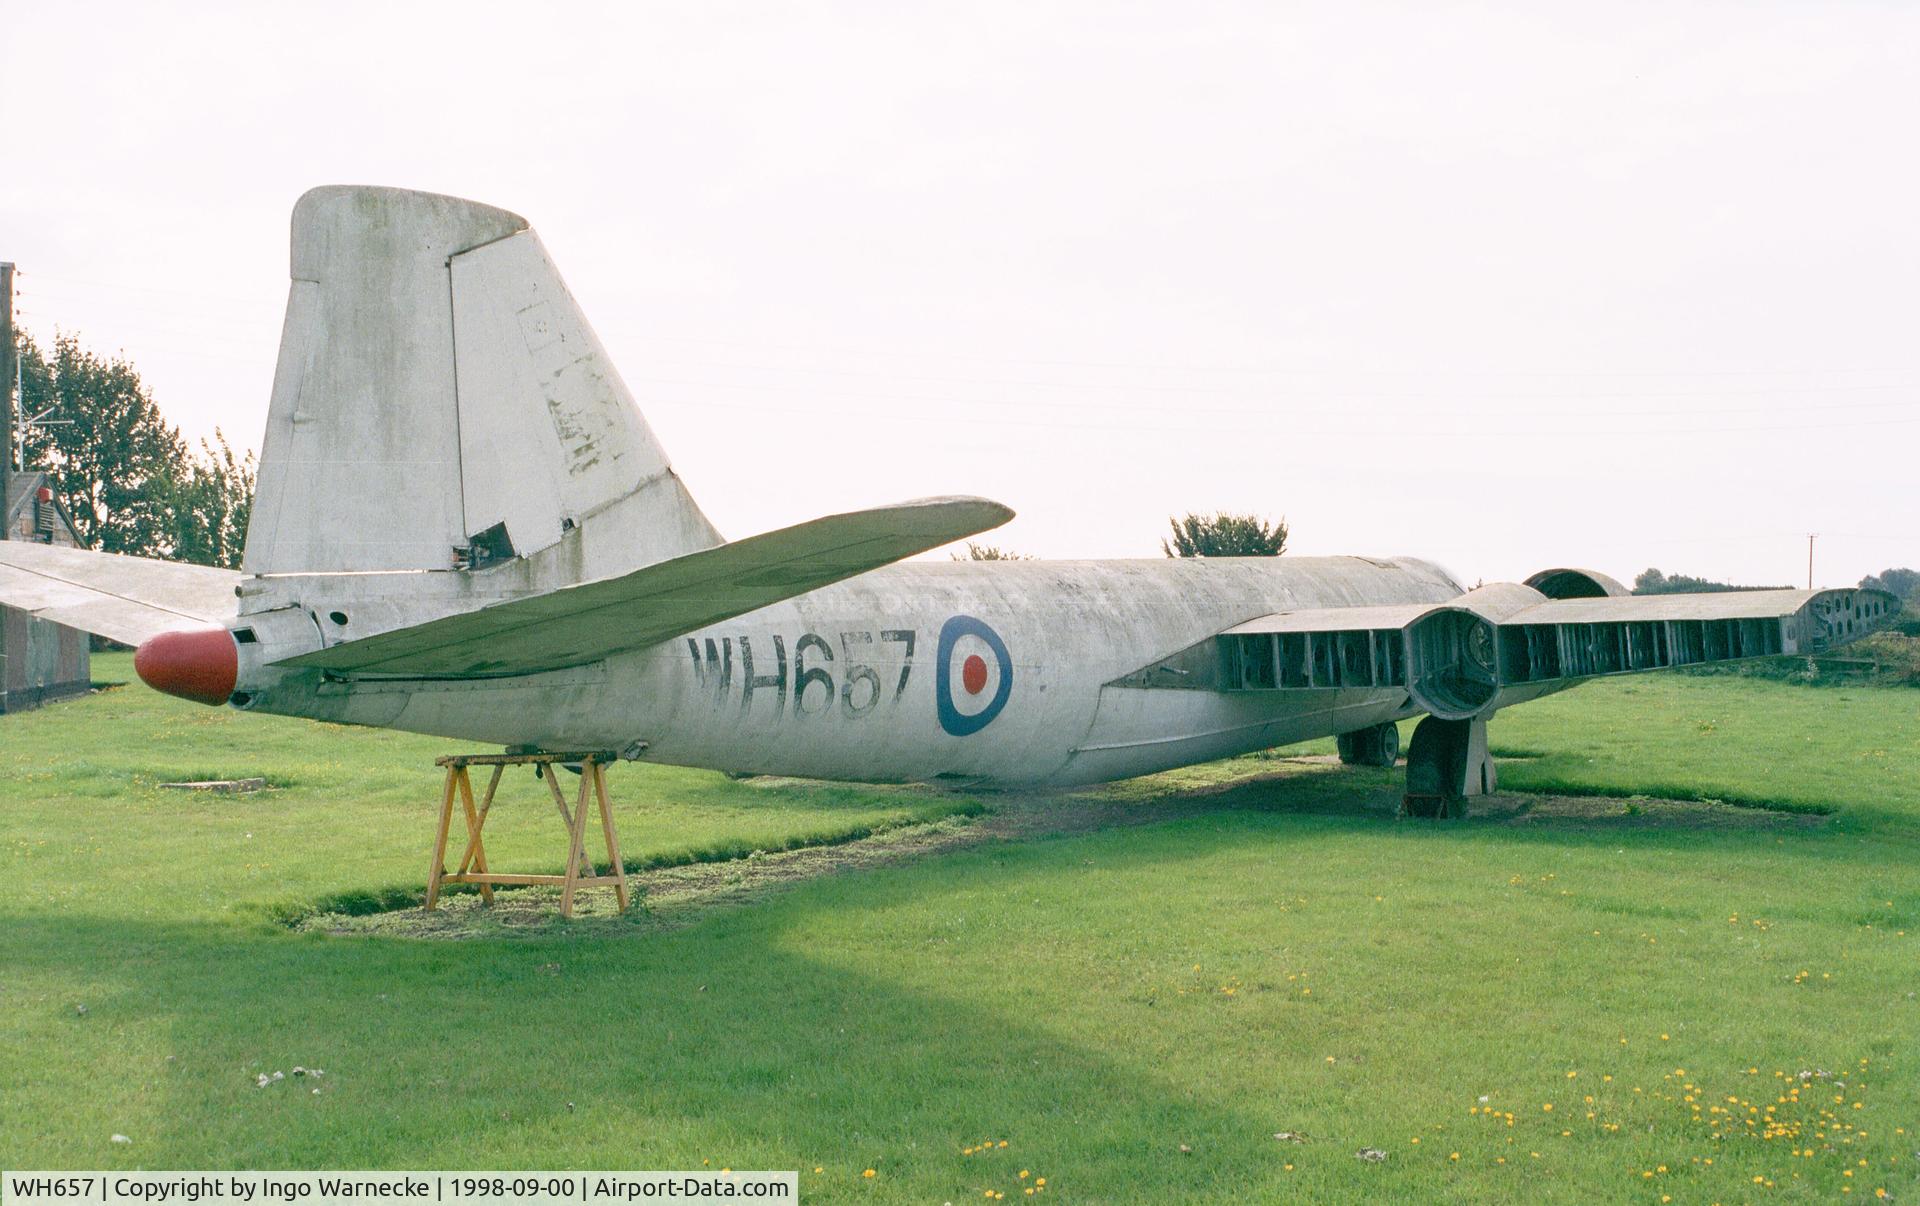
x=441 y=403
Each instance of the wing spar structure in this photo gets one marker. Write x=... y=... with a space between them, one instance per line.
x=1506 y=643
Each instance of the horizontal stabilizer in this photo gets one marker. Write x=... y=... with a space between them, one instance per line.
x=122 y=598
x=585 y=623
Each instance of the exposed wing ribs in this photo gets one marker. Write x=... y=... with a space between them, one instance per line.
x=1498 y=644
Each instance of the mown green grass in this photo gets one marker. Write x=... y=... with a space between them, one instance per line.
x=348 y=811
x=1851 y=751
x=1280 y=957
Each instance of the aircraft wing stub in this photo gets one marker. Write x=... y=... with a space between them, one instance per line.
x=1334 y=619
x=1503 y=643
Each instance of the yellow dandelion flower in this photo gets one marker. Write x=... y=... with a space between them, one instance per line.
x=1454 y=1156
x=869 y=1173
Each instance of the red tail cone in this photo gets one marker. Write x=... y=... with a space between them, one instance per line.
x=200 y=665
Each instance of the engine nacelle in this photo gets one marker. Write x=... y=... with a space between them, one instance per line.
x=1453 y=652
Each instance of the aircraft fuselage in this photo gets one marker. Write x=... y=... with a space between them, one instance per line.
x=921 y=671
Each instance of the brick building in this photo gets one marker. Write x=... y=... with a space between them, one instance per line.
x=39 y=660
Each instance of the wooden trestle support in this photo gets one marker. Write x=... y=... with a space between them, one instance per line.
x=473 y=867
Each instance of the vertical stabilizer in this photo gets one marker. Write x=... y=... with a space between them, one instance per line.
x=440 y=402
x=550 y=438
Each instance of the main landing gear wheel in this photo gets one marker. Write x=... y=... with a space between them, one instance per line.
x=1377 y=746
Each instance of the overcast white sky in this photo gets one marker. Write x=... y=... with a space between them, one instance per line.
x=1505 y=286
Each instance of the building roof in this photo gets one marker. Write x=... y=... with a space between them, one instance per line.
x=20 y=491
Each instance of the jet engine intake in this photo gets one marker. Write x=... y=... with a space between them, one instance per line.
x=1451 y=667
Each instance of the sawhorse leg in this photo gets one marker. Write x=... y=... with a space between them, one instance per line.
x=439 y=867
x=618 y=868
x=475 y=857
x=576 y=839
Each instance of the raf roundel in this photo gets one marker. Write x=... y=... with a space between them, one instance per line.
x=973 y=675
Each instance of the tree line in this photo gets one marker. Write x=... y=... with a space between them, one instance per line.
x=1192 y=535
x=1901 y=583
x=130 y=482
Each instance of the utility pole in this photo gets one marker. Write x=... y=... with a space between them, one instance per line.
x=1810 y=536
x=9 y=369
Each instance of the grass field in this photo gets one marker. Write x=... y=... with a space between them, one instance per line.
x=1128 y=991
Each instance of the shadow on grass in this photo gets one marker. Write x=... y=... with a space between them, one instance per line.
x=541 y=1055
x=1312 y=788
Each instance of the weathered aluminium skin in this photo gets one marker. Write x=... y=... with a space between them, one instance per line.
x=869 y=711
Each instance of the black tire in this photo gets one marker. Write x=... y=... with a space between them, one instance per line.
x=1386 y=748
x=1376 y=746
